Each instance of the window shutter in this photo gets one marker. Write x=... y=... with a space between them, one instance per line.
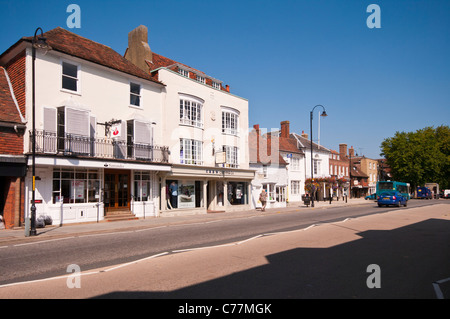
x=77 y=122
x=142 y=133
x=50 y=120
x=47 y=142
x=93 y=126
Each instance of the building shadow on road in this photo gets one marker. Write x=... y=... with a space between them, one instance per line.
x=410 y=260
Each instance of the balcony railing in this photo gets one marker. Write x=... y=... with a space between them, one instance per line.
x=76 y=145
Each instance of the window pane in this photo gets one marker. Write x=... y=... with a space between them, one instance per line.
x=135 y=88
x=69 y=83
x=135 y=100
x=70 y=70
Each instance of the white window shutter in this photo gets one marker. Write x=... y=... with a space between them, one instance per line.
x=49 y=120
x=142 y=133
x=77 y=122
x=93 y=126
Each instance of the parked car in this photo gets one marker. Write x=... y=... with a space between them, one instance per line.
x=424 y=192
x=392 y=198
x=446 y=193
x=372 y=196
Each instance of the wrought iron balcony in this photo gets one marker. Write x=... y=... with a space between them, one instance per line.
x=106 y=148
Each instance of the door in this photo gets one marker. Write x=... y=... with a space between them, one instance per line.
x=117 y=190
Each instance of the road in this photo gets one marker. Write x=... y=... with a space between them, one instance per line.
x=419 y=246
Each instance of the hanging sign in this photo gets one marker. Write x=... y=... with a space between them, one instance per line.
x=116 y=130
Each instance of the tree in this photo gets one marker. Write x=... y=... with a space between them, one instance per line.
x=419 y=157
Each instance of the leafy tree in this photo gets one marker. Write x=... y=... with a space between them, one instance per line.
x=419 y=157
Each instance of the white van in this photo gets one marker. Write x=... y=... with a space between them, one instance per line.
x=447 y=193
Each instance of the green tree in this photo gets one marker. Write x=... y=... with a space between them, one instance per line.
x=419 y=157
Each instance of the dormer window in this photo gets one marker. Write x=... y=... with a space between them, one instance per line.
x=216 y=85
x=201 y=79
x=183 y=72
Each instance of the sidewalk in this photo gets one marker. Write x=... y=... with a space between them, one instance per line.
x=17 y=236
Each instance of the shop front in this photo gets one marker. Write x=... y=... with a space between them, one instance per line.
x=73 y=190
x=198 y=190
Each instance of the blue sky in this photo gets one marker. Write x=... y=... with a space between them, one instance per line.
x=285 y=57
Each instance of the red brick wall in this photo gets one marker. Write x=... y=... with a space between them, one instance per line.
x=16 y=73
x=10 y=142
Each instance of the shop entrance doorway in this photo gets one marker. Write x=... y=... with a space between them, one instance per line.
x=117 y=190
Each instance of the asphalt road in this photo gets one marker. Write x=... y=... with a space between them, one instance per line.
x=47 y=259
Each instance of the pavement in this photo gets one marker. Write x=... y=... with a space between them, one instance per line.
x=17 y=235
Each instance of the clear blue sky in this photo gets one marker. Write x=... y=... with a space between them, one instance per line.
x=285 y=57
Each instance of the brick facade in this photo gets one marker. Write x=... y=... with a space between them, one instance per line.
x=16 y=73
x=11 y=143
x=12 y=159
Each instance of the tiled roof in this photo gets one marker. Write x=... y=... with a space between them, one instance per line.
x=159 y=61
x=72 y=44
x=307 y=143
x=9 y=111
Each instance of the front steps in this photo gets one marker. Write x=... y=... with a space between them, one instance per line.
x=119 y=215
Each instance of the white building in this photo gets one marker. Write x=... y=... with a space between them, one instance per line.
x=206 y=128
x=96 y=137
x=271 y=169
x=321 y=156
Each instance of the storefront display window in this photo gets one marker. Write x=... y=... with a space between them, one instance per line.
x=142 y=186
x=237 y=193
x=184 y=194
x=75 y=186
x=270 y=190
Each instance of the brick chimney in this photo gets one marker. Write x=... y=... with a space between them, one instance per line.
x=256 y=127
x=351 y=152
x=138 y=50
x=258 y=135
x=343 y=150
x=285 y=129
x=305 y=135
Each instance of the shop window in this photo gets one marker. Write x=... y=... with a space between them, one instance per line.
x=184 y=194
x=280 y=194
x=237 y=193
x=270 y=190
x=75 y=186
x=142 y=186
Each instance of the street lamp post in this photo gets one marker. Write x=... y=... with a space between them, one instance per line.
x=37 y=43
x=324 y=114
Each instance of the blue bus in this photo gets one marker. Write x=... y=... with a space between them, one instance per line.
x=401 y=187
x=424 y=192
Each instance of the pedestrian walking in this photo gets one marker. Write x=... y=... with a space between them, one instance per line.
x=263 y=200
